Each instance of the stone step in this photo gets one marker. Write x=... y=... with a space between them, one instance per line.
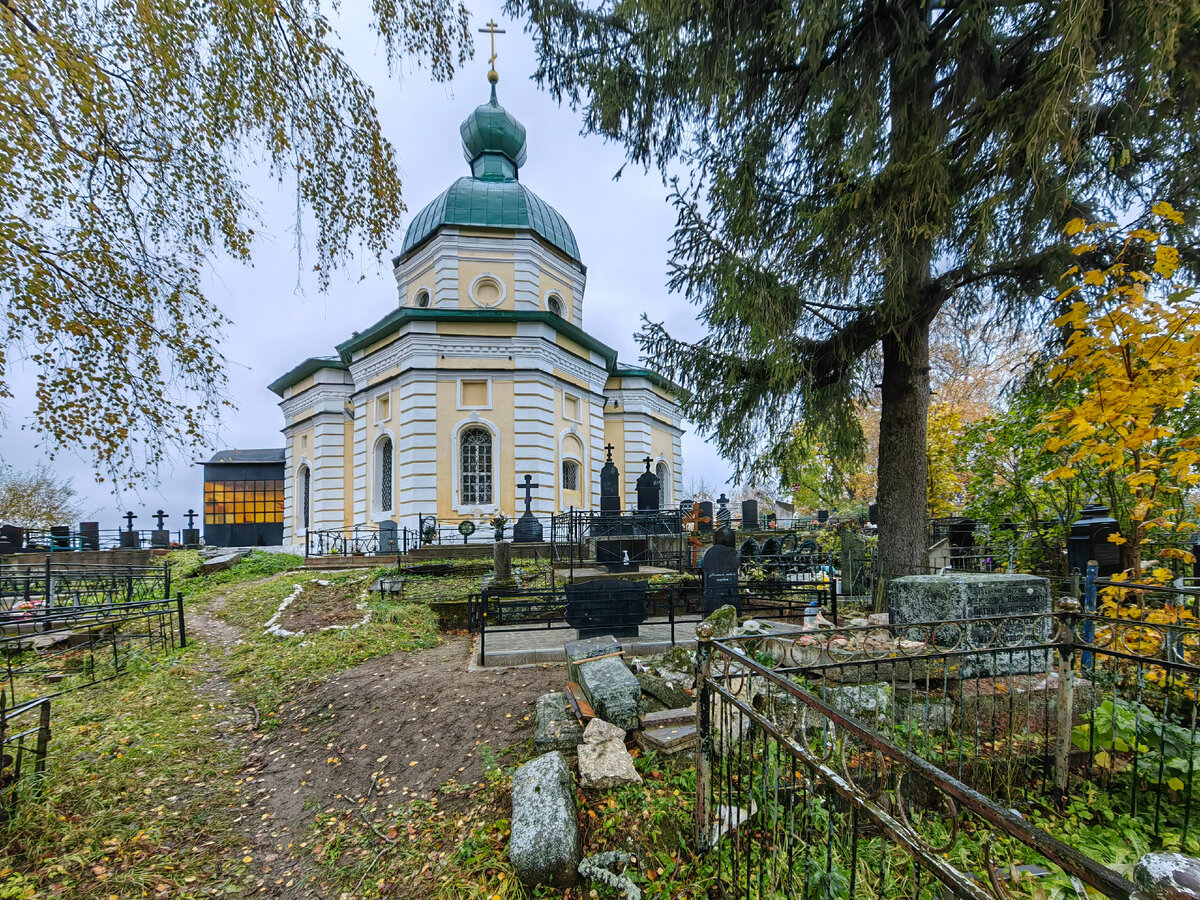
x=668 y=739
x=664 y=717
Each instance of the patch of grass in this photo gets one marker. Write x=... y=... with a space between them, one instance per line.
x=255 y=566
x=436 y=854
x=266 y=669
x=138 y=796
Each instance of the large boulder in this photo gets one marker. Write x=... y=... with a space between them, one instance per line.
x=544 y=845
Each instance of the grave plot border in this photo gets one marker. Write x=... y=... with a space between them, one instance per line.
x=793 y=810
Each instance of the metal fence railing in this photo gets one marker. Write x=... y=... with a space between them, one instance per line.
x=47 y=585
x=24 y=746
x=795 y=797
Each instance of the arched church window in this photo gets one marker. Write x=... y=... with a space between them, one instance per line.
x=476 y=466
x=664 y=484
x=554 y=304
x=570 y=475
x=305 y=493
x=384 y=468
x=422 y=298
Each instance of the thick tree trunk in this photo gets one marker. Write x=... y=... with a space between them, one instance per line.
x=903 y=461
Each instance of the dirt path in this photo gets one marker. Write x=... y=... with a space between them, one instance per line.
x=397 y=727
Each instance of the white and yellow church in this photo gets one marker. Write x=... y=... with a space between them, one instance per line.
x=482 y=375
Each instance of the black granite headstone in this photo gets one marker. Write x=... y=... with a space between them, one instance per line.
x=614 y=607
x=610 y=485
x=89 y=535
x=60 y=537
x=749 y=514
x=12 y=537
x=719 y=573
x=130 y=540
x=160 y=538
x=706 y=515
x=191 y=537
x=1089 y=541
x=873 y=512
x=528 y=529
x=822 y=516
x=648 y=488
x=723 y=518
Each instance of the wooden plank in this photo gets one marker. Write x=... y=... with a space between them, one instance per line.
x=579 y=703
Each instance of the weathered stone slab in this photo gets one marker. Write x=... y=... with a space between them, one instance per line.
x=723 y=621
x=222 y=562
x=683 y=716
x=590 y=648
x=544 y=845
x=556 y=727
x=612 y=690
x=669 y=739
x=870 y=704
x=598 y=731
x=669 y=693
x=951 y=598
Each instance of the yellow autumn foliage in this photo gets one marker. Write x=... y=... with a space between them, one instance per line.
x=1134 y=354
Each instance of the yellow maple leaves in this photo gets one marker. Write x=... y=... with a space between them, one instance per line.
x=1133 y=351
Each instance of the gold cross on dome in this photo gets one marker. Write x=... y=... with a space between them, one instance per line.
x=493 y=29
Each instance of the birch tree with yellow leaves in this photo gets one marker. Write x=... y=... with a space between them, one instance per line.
x=1133 y=351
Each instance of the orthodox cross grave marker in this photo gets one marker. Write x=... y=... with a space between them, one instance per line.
x=528 y=529
x=129 y=537
x=160 y=537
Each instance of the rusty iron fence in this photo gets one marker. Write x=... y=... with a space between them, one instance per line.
x=798 y=798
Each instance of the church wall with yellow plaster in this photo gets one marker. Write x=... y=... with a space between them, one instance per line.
x=470 y=269
x=418 y=280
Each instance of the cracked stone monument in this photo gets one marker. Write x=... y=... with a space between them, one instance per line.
x=603 y=760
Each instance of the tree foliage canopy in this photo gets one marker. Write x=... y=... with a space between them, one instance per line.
x=855 y=166
x=125 y=132
x=38 y=498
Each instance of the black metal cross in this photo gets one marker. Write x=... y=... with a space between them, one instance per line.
x=609 y=448
x=529 y=485
x=191 y=517
x=647 y=461
x=160 y=515
x=129 y=517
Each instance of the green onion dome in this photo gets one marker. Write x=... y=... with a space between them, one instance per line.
x=492 y=197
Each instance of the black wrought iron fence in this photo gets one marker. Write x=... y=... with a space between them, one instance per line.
x=49 y=585
x=797 y=798
x=48 y=652
x=24 y=746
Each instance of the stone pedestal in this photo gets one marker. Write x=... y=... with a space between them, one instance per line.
x=130 y=540
x=160 y=538
x=191 y=537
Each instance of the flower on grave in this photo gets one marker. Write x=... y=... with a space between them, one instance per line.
x=499 y=520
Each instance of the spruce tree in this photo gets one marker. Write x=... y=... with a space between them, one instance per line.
x=853 y=166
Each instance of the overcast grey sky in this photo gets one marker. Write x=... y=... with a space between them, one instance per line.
x=278 y=317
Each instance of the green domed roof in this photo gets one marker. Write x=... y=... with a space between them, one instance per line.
x=492 y=197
